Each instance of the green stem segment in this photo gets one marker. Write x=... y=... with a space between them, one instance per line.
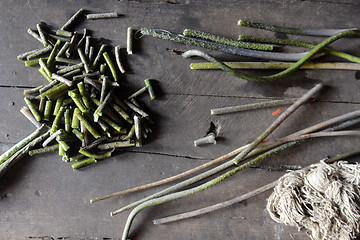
x=273 y=77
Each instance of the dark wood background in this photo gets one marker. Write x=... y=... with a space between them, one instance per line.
x=42 y=196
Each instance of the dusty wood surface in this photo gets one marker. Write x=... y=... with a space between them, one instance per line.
x=42 y=196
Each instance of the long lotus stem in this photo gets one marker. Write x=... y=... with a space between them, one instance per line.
x=278 y=121
x=284 y=73
x=288 y=30
x=298 y=44
x=221 y=47
x=277 y=65
x=196 y=189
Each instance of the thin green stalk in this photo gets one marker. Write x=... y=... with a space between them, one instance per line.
x=94 y=16
x=56 y=122
x=75 y=123
x=51 y=59
x=43 y=150
x=33 y=109
x=44 y=66
x=70 y=68
x=129 y=42
x=111 y=65
x=226 y=41
x=35 y=35
x=273 y=77
x=277 y=65
x=196 y=189
x=33 y=91
x=64 y=33
x=150 y=88
x=63 y=50
x=98 y=57
x=83 y=163
x=77 y=99
x=38 y=52
x=72 y=19
x=84 y=60
x=6 y=155
x=288 y=30
x=95 y=155
x=118 y=59
x=278 y=121
x=48 y=110
x=113 y=145
x=88 y=125
x=42 y=35
x=24 y=150
x=162 y=34
x=252 y=106
x=27 y=113
x=55 y=92
x=298 y=44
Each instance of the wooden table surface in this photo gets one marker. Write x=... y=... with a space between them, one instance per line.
x=42 y=197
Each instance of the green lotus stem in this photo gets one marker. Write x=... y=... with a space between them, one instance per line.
x=48 y=110
x=57 y=37
x=296 y=31
x=56 y=122
x=91 y=54
x=82 y=40
x=83 y=163
x=42 y=105
x=31 y=62
x=14 y=149
x=177 y=195
x=42 y=35
x=87 y=46
x=65 y=147
x=299 y=44
x=104 y=85
x=44 y=67
x=48 y=86
x=113 y=145
x=107 y=110
x=58 y=104
x=111 y=65
x=62 y=79
x=64 y=33
x=276 y=65
x=100 y=109
x=27 y=113
x=38 y=52
x=252 y=106
x=52 y=137
x=33 y=91
x=94 y=16
x=84 y=60
x=136 y=109
x=138 y=131
x=75 y=123
x=129 y=42
x=72 y=19
x=72 y=73
x=226 y=41
x=78 y=134
x=62 y=151
x=51 y=59
x=76 y=97
x=98 y=56
x=72 y=45
x=39 y=137
x=121 y=112
x=55 y=92
x=111 y=123
x=95 y=155
x=162 y=34
x=32 y=108
x=67 y=117
x=63 y=50
x=88 y=125
x=84 y=94
x=284 y=73
x=150 y=88
x=70 y=68
x=35 y=35
x=138 y=92
x=43 y=150
x=278 y=121
x=46 y=76
x=118 y=60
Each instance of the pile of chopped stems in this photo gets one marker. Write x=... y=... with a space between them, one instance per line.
x=80 y=105
x=267 y=148
x=262 y=48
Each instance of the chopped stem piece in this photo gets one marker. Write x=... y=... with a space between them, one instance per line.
x=70 y=68
x=43 y=150
x=112 y=145
x=39 y=52
x=111 y=65
x=61 y=79
x=93 y=16
x=83 y=60
x=210 y=138
x=150 y=88
x=83 y=163
x=32 y=108
x=118 y=59
x=129 y=46
x=88 y=125
x=41 y=34
x=95 y=155
x=27 y=113
x=98 y=57
x=72 y=19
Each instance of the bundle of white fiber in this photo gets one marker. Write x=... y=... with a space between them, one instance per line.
x=322 y=198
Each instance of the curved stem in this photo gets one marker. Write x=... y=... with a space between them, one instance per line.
x=196 y=189
x=281 y=74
